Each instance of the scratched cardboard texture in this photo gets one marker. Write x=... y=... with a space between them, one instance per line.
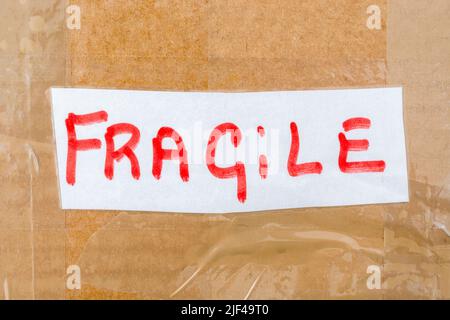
x=227 y=46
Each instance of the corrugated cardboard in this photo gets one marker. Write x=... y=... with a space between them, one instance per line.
x=226 y=46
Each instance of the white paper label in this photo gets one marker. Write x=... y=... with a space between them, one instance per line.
x=211 y=152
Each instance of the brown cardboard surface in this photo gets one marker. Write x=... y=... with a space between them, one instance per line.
x=227 y=46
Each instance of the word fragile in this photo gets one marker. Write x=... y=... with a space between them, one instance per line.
x=180 y=154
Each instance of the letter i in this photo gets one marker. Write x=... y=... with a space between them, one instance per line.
x=262 y=157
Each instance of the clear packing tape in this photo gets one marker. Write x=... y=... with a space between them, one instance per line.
x=222 y=46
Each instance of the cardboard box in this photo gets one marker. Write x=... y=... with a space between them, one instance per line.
x=223 y=46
